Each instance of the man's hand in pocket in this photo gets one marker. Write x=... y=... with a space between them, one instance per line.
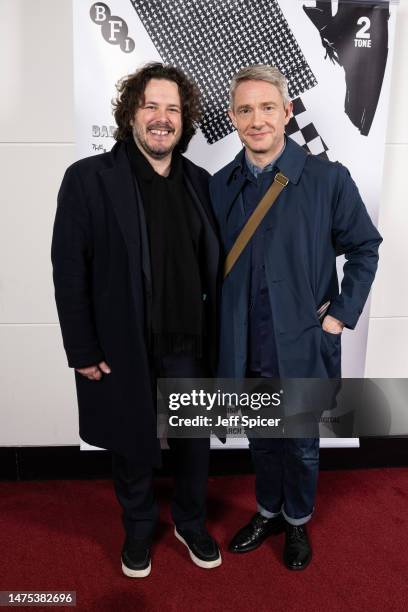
x=332 y=325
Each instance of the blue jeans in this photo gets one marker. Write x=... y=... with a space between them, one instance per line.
x=286 y=471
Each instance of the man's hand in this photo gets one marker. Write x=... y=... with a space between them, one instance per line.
x=95 y=372
x=332 y=325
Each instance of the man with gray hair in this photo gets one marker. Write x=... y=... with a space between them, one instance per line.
x=282 y=313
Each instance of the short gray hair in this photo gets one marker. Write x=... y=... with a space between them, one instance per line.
x=260 y=72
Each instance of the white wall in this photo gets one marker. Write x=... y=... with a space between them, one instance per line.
x=37 y=395
x=387 y=354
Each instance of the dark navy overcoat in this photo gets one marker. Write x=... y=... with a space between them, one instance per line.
x=102 y=280
x=319 y=216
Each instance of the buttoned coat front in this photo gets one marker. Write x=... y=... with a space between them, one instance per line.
x=318 y=216
x=103 y=286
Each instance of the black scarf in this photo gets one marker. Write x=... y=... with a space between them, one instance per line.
x=174 y=230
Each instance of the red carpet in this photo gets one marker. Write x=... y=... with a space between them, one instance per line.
x=67 y=535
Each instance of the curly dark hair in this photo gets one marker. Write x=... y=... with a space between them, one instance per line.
x=130 y=95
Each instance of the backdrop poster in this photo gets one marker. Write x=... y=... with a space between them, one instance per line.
x=337 y=56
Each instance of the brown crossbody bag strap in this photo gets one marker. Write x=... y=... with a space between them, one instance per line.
x=279 y=183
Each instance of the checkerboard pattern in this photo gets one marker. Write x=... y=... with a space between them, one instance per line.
x=302 y=130
x=210 y=40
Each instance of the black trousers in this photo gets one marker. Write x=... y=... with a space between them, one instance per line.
x=190 y=458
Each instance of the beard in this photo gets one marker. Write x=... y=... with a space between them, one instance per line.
x=156 y=150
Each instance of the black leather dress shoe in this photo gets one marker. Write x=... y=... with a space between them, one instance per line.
x=258 y=529
x=297 y=553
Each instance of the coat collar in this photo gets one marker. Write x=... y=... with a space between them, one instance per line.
x=122 y=175
x=290 y=163
x=123 y=190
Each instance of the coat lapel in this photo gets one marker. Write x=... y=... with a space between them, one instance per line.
x=118 y=182
x=198 y=188
x=232 y=194
x=211 y=255
x=126 y=201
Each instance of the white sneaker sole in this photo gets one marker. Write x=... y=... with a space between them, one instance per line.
x=130 y=573
x=196 y=560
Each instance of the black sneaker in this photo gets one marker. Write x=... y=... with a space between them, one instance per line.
x=203 y=549
x=136 y=561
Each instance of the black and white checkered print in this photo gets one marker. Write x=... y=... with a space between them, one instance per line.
x=302 y=130
x=212 y=39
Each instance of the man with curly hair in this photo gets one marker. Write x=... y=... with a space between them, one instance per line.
x=135 y=259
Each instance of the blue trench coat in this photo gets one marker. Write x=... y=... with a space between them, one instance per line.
x=319 y=216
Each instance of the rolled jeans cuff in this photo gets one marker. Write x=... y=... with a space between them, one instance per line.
x=296 y=521
x=266 y=513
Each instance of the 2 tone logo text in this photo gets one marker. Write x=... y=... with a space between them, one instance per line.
x=363 y=36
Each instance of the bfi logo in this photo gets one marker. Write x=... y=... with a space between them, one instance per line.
x=114 y=29
x=363 y=37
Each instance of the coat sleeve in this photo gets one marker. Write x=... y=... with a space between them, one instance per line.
x=355 y=237
x=71 y=255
